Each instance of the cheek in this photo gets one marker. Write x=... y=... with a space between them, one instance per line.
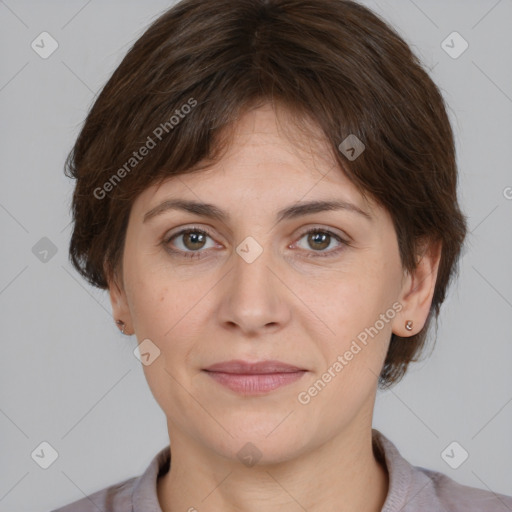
x=153 y=294
x=353 y=356
x=163 y=313
x=355 y=309
x=157 y=307
x=346 y=301
x=170 y=311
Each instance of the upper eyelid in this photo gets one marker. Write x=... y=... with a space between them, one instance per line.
x=182 y=231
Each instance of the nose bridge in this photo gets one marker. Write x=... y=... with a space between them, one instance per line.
x=253 y=261
x=253 y=298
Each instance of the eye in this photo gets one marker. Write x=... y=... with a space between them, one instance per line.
x=319 y=240
x=190 y=242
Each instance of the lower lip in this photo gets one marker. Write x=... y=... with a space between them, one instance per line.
x=254 y=384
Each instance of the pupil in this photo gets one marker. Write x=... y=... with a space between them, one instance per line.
x=195 y=239
x=319 y=238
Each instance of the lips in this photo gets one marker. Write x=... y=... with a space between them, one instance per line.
x=245 y=368
x=259 y=378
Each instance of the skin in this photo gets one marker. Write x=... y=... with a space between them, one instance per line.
x=284 y=305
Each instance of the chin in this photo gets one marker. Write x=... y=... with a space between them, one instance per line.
x=260 y=442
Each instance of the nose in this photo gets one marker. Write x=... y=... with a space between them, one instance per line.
x=254 y=299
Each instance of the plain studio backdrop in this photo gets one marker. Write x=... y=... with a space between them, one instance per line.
x=70 y=379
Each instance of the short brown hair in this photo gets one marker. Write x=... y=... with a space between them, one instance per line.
x=332 y=61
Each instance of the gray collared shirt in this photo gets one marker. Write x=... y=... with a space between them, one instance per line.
x=411 y=489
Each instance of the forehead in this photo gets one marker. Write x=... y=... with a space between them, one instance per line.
x=268 y=158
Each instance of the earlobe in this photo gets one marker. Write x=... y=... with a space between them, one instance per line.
x=417 y=292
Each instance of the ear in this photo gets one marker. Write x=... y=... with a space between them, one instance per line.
x=120 y=308
x=417 y=290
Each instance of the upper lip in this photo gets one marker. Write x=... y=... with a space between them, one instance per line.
x=245 y=367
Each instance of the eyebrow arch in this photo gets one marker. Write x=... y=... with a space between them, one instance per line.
x=290 y=212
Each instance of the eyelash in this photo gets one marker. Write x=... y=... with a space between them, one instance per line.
x=197 y=254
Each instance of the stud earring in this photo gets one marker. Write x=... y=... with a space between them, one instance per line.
x=408 y=325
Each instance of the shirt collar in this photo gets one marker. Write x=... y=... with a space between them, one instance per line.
x=145 y=496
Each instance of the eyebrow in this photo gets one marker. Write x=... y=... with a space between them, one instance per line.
x=290 y=212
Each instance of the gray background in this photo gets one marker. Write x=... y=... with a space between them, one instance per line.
x=70 y=378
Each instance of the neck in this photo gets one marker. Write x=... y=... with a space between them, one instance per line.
x=343 y=471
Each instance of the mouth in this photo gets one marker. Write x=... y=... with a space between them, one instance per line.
x=254 y=378
x=237 y=366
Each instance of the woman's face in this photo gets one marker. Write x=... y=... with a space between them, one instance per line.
x=257 y=287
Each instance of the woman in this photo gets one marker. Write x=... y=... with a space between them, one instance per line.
x=267 y=188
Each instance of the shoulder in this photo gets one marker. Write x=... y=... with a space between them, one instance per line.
x=116 y=498
x=455 y=497
x=136 y=493
x=417 y=489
